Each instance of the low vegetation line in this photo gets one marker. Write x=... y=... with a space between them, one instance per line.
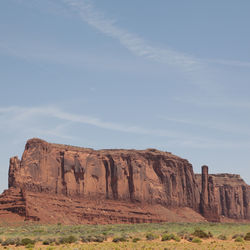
x=119 y=236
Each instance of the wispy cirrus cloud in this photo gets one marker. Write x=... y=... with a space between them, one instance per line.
x=138 y=45
x=236 y=63
x=214 y=125
x=17 y=115
x=22 y=118
x=132 y=42
x=222 y=103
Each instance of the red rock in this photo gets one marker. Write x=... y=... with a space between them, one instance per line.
x=229 y=197
x=60 y=183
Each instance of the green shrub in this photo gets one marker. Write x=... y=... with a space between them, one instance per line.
x=46 y=242
x=27 y=241
x=120 y=239
x=196 y=240
x=247 y=237
x=67 y=240
x=84 y=239
x=49 y=241
x=188 y=238
x=210 y=235
x=29 y=246
x=177 y=239
x=151 y=236
x=222 y=237
x=96 y=238
x=237 y=235
x=166 y=237
x=11 y=241
x=99 y=238
x=201 y=234
x=136 y=240
x=239 y=239
x=182 y=234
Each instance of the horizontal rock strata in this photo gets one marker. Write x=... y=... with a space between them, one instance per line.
x=116 y=186
x=228 y=196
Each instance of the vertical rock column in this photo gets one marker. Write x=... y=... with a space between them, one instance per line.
x=208 y=205
x=13 y=167
x=204 y=190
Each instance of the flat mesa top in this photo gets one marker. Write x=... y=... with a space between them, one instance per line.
x=65 y=147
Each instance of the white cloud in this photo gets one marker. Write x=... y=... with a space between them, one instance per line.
x=215 y=125
x=222 y=103
x=21 y=114
x=229 y=62
x=139 y=46
x=21 y=118
x=97 y=20
x=132 y=42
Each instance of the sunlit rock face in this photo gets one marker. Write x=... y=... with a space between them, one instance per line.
x=60 y=183
x=149 y=176
x=223 y=195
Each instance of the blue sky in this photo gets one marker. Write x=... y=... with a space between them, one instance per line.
x=173 y=75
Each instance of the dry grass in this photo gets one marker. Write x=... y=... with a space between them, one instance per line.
x=42 y=233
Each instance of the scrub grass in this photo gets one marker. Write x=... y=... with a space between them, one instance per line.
x=125 y=236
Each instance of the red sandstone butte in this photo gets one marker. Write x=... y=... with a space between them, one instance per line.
x=58 y=183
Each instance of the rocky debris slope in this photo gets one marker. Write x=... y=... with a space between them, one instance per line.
x=12 y=205
x=48 y=208
x=114 y=186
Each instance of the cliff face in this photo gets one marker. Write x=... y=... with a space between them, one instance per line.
x=228 y=194
x=147 y=176
x=52 y=181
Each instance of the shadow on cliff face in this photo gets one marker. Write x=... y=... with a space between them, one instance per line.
x=157 y=182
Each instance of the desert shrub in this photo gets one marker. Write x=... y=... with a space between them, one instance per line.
x=46 y=242
x=1 y=241
x=90 y=238
x=222 y=237
x=84 y=239
x=11 y=241
x=49 y=241
x=239 y=239
x=29 y=246
x=67 y=240
x=196 y=240
x=99 y=238
x=18 y=242
x=210 y=235
x=135 y=240
x=188 y=237
x=177 y=238
x=27 y=241
x=201 y=234
x=166 y=237
x=151 y=236
x=120 y=239
x=182 y=234
x=237 y=235
x=247 y=237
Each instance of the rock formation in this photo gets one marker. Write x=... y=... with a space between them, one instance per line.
x=208 y=203
x=59 y=183
x=228 y=196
